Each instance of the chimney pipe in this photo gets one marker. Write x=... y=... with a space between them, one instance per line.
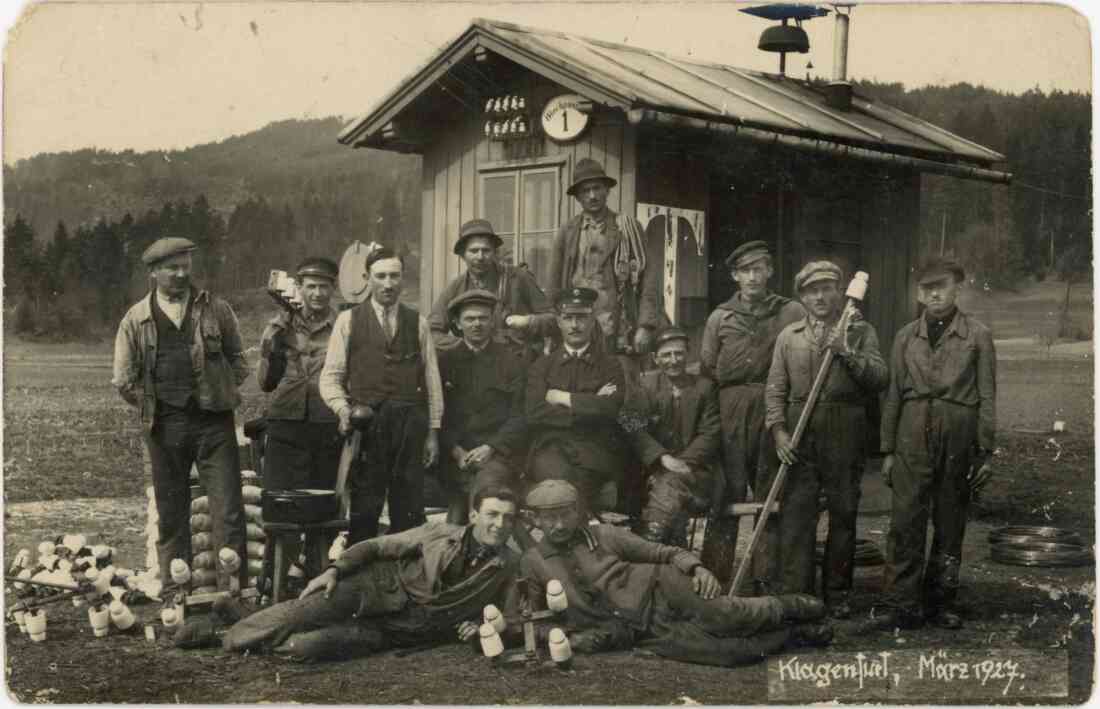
x=838 y=92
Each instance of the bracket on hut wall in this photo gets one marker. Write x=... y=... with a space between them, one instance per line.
x=680 y=225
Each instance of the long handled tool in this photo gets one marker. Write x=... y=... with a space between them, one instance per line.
x=857 y=289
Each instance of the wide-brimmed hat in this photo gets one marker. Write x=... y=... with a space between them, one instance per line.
x=476 y=227
x=588 y=169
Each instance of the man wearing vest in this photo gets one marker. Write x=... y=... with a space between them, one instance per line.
x=605 y=251
x=523 y=315
x=178 y=358
x=736 y=353
x=677 y=435
x=303 y=444
x=381 y=356
x=573 y=399
x=484 y=429
x=832 y=454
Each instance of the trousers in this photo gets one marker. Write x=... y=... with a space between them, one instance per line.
x=935 y=446
x=180 y=438
x=391 y=465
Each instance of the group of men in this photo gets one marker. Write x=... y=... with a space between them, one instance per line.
x=507 y=387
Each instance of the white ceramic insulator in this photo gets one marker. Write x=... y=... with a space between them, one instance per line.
x=560 y=651
x=36 y=625
x=491 y=644
x=100 y=618
x=121 y=616
x=857 y=289
x=555 y=596
x=180 y=571
x=494 y=617
x=229 y=560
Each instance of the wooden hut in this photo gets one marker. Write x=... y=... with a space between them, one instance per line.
x=706 y=155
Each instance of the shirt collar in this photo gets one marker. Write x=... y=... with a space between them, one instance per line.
x=597 y=221
x=568 y=351
x=477 y=350
x=958 y=326
x=379 y=309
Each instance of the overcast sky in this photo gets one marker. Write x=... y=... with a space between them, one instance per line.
x=161 y=75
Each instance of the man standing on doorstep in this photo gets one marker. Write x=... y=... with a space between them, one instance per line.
x=381 y=356
x=736 y=353
x=523 y=315
x=938 y=424
x=303 y=444
x=832 y=453
x=178 y=358
x=677 y=436
x=484 y=429
x=605 y=251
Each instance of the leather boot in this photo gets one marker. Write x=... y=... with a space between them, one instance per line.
x=801 y=607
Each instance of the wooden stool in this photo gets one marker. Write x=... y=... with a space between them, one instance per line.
x=316 y=549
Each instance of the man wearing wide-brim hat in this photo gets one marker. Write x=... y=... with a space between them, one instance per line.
x=832 y=453
x=484 y=434
x=573 y=399
x=179 y=360
x=523 y=315
x=302 y=441
x=606 y=252
x=736 y=353
x=938 y=425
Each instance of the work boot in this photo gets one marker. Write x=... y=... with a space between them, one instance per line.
x=800 y=607
x=228 y=610
x=196 y=633
x=812 y=634
x=945 y=618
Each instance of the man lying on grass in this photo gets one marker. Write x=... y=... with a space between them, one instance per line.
x=622 y=588
x=424 y=585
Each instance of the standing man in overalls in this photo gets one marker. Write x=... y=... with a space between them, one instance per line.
x=738 y=341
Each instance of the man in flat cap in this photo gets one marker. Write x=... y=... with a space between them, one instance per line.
x=736 y=353
x=302 y=441
x=831 y=456
x=605 y=251
x=676 y=433
x=424 y=585
x=622 y=590
x=523 y=314
x=573 y=399
x=938 y=425
x=484 y=430
x=381 y=360
x=179 y=360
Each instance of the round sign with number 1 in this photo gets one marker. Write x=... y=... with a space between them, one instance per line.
x=562 y=119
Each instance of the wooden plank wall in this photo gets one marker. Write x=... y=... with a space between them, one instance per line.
x=453 y=162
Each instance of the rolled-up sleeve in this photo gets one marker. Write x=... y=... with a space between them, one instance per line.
x=431 y=376
x=333 y=383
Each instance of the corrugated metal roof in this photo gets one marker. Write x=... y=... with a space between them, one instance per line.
x=628 y=77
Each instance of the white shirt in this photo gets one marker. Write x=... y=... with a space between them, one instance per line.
x=333 y=382
x=175 y=310
x=577 y=353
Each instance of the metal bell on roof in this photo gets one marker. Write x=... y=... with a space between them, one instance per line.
x=784 y=38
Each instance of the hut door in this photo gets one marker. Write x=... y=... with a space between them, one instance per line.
x=676 y=243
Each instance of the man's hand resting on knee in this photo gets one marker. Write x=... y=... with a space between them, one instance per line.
x=325 y=582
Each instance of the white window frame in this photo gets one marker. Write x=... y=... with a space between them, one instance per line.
x=518 y=170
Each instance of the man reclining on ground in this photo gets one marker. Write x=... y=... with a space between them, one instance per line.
x=622 y=588
x=399 y=590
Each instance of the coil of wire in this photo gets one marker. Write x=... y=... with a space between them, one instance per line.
x=1039 y=546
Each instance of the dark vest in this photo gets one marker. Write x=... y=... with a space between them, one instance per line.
x=173 y=378
x=379 y=372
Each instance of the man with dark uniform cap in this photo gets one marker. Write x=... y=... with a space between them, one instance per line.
x=484 y=429
x=605 y=251
x=621 y=588
x=302 y=441
x=179 y=359
x=831 y=456
x=573 y=399
x=381 y=357
x=736 y=353
x=677 y=434
x=938 y=425
x=523 y=315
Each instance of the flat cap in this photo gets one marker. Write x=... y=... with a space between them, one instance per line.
x=937 y=268
x=165 y=248
x=668 y=335
x=549 y=494
x=748 y=252
x=476 y=227
x=577 y=300
x=471 y=297
x=318 y=267
x=816 y=271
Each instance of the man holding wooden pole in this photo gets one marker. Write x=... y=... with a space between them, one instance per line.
x=832 y=452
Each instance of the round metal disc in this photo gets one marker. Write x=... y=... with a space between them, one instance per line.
x=353 y=273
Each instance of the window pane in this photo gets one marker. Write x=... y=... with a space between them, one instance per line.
x=536 y=253
x=500 y=201
x=539 y=200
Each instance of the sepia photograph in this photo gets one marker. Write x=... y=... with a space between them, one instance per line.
x=548 y=353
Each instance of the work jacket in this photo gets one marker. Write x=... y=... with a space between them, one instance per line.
x=695 y=435
x=737 y=343
x=217 y=359
x=420 y=556
x=483 y=399
x=294 y=373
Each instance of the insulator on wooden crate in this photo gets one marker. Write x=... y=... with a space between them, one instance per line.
x=254 y=513
x=203 y=560
x=200 y=505
x=201 y=523
x=254 y=532
x=255 y=550
x=255 y=567
x=251 y=494
x=201 y=542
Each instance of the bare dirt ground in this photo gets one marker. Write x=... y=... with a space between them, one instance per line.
x=72 y=464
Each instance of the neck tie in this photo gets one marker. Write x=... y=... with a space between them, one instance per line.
x=387 y=312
